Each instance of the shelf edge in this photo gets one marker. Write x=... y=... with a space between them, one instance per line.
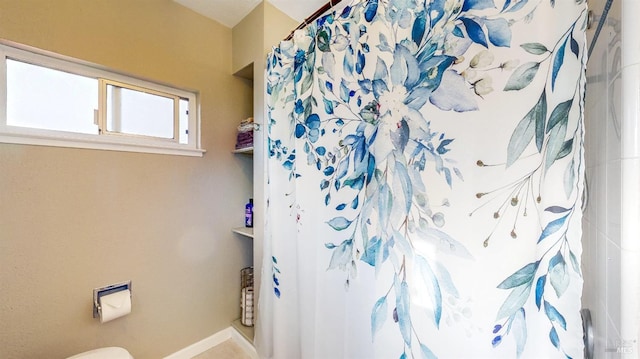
x=243 y=231
x=246 y=150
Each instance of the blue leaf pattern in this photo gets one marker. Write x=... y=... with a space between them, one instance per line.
x=403 y=311
x=419 y=28
x=554 y=315
x=339 y=223
x=276 y=282
x=514 y=301
x=477 y=5
x=356 y=116
x=426 y=352
x=429 y=276
x=499 y=32
x=519 y=330
x=553 y=227
x=378 y=315
x=542 y=281
x=371 y=9
x=553 y=336
x=557 y=64
x=522 y=276
x=475 y=32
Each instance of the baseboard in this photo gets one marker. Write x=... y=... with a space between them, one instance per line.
x=203 y=345
x=210 y=342
x=244 y=343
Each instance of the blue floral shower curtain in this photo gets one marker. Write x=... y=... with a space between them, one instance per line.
x=424 y=182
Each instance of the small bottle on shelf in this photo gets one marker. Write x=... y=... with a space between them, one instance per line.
x=248 y=214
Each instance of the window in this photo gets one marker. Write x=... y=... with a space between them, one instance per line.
x=50 y=100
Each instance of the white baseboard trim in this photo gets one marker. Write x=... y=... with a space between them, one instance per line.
x=203 y=345
x=210 y=342
x=243 y=343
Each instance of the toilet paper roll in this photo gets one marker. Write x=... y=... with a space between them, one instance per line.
x=115 y=305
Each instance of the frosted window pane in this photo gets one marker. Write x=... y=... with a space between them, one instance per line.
x=139 y=113
x=39 y=97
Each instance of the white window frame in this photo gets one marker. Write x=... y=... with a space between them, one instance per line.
x=103 y=141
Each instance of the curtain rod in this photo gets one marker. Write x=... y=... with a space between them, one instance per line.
x=314 y=16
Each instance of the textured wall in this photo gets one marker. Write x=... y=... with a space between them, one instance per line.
x=72 y=219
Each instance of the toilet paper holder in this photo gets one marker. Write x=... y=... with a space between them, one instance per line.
x=99 y=292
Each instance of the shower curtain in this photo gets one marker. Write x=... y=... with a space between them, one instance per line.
x=425 y=166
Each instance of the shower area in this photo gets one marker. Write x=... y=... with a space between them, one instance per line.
x=611 y=222
x=357 y=251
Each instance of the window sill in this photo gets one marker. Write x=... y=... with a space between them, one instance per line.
x=72 y=140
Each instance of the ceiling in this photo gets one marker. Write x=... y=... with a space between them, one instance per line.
x=230 y=12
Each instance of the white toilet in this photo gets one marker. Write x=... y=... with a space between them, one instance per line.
x=104 y=353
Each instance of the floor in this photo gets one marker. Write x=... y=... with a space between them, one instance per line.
x=225 y=350
x=246 y=332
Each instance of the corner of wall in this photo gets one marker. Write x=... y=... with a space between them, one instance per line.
x=278 y=24
x=246 y=44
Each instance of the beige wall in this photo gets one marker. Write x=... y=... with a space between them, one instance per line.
x=73 y=219
x=247 y=39
x=278 y=25
x=253 y=37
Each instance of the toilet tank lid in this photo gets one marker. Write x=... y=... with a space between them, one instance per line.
x=104 y=353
